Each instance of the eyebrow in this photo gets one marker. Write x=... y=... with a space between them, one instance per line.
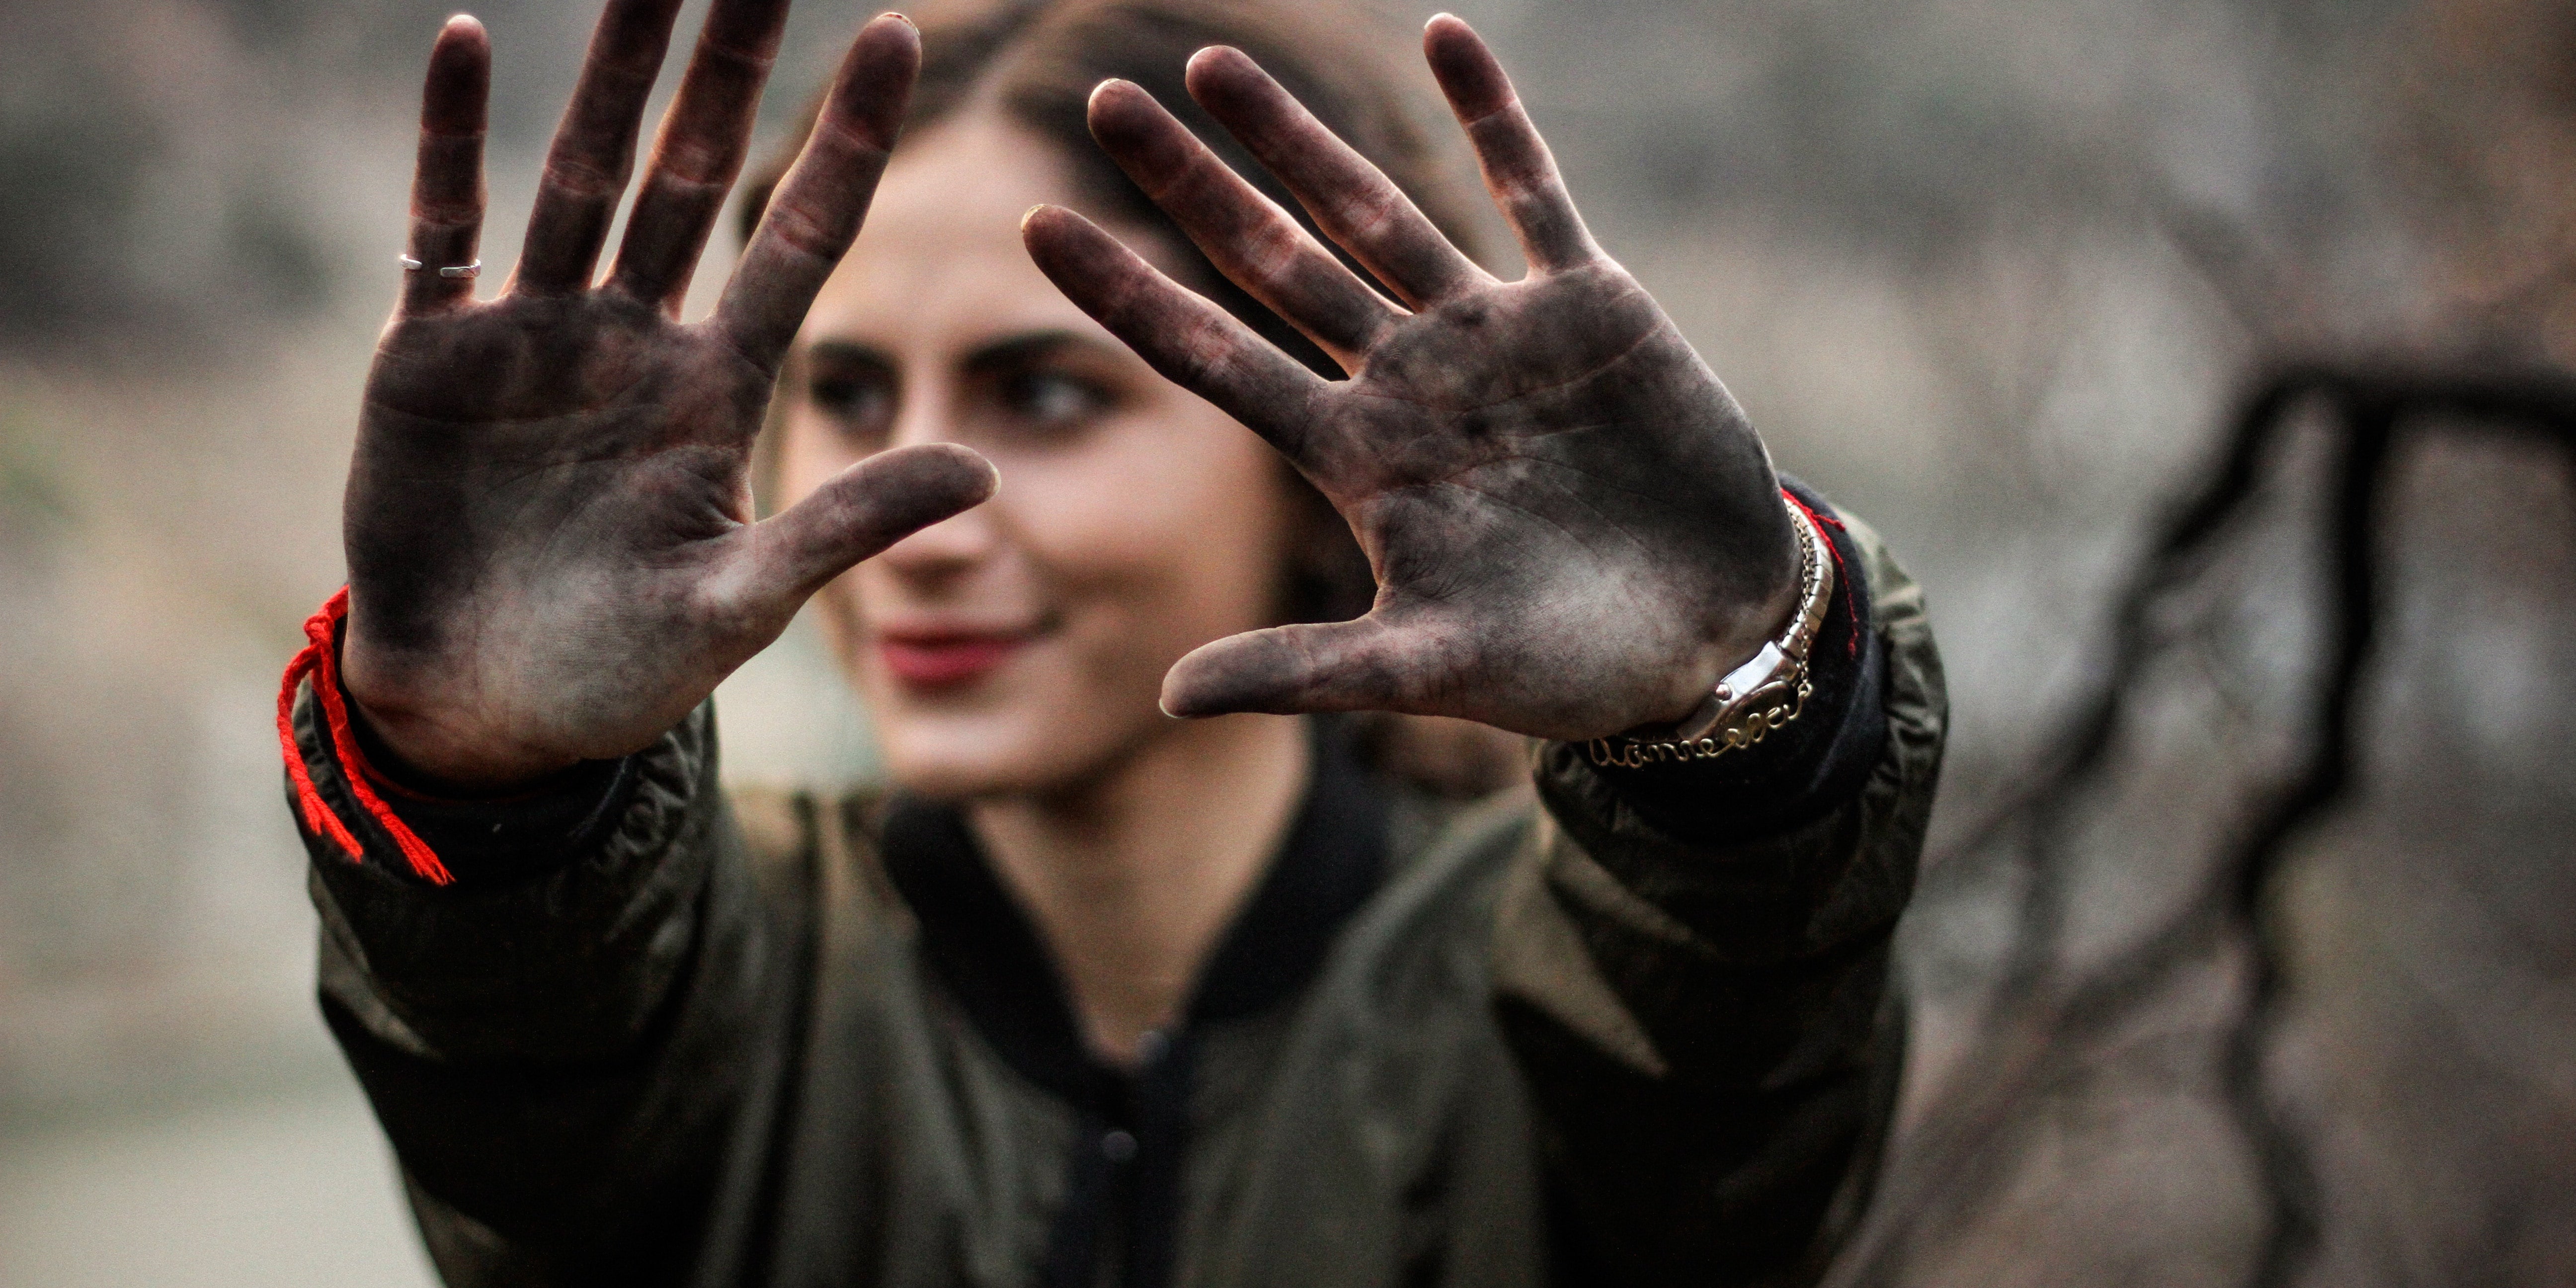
x=1020 y=350
x=847 y=352
x=1003 y=354
x=988 y=359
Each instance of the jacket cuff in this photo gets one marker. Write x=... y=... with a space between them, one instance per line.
x=1803 y=770
x=504 y=837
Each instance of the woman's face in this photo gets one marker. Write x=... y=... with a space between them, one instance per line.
x=1020 y=646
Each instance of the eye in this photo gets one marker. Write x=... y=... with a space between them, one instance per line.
x=860 y=397
x=1052 y=397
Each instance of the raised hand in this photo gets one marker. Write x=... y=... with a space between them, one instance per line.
x=548 y=525
x=1574 y=530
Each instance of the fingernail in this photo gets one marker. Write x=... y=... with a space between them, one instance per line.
x=904 y=18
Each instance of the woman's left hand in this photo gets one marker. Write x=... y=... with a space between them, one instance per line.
x=1573 y=527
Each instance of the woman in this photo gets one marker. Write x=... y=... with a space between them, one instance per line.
x=1097 y=995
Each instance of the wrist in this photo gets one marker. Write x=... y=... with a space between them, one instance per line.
x=429 y=750
x=1737 y=637
x=1766 y=687
x=1769 y=621
x=425 y=757
x=1801 y=772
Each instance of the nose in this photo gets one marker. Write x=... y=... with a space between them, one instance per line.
x=943 y=551
x=950 y=547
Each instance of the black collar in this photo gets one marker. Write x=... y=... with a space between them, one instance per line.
x=984 y=949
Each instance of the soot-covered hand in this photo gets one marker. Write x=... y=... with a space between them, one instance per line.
x=1573 y=527
x=550 y=545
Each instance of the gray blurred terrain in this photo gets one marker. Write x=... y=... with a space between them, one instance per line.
x=1991 y=274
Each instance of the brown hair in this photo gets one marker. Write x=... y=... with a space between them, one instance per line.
x=1038 y=61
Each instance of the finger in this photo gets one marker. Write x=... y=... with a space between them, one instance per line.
x=860 y=511
x=1246 y=235
x=1518 y=169
x=593 y=153
x=1352 y=201
x=447 y=181
x=1376 y=663
x=819 y=206
x=704 y=137
x=1193 y=343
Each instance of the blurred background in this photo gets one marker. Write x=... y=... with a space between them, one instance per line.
x=2247 y=985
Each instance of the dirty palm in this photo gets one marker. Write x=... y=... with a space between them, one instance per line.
x=623 y=1025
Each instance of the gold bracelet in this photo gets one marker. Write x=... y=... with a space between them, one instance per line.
x=1768 y=691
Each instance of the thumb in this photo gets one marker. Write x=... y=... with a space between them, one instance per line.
x=860 y=511
x=1381 y=662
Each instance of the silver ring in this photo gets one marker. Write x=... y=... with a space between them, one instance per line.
x=474 y=269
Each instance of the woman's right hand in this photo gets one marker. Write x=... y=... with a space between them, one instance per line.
x=551 y=553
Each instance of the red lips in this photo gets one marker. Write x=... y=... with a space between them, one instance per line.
x=942 y=660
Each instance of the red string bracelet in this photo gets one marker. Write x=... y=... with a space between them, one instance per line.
x=320 y=661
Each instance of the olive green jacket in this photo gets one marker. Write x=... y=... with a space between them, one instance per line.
x=667 y=1037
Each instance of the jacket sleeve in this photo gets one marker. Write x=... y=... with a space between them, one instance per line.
x=572 y=1047
x=1692 y=967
